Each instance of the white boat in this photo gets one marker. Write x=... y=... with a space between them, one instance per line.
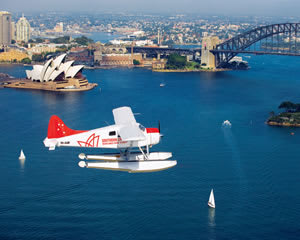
x=227 y=123
x=22 y=155
x=211 y=201
x=162 y=84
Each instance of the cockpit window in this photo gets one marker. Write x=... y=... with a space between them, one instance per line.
x=112 y=133
x=142 y=127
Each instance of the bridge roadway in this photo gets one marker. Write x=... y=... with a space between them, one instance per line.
x=282 y=52
x=163 y=51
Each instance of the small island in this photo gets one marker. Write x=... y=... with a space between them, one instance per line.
x=289 y=118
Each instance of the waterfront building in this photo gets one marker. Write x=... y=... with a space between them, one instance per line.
x=40 y=48
x=22 y=30
x=55 y=70
x=5 y=28
x=120 y=59
x=55 y=75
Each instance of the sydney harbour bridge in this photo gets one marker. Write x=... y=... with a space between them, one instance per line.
x=276 y=39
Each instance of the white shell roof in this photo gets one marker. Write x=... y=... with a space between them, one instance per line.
x=57 y=61
x=55 y=74
x=45 y=68
x=28 y=73
x=65 y=66
x=35 y=73
x=74 y=70
x=48 y=73
x=53 y=68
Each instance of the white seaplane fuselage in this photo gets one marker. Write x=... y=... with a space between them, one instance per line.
x=125 y=135
x=105 y=137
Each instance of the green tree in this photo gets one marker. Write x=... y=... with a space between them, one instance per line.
x=136 y=62
x=175 y=61
x=26 y=60
x=39 y=40
x=61 y=40
x=37 y=57
x=287 y=105
x=83 y=40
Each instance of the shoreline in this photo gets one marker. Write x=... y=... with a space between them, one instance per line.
x=284 y=124
x=191 y=70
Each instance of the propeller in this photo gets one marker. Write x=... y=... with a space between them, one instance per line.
x=161 y=135
x=159 y=126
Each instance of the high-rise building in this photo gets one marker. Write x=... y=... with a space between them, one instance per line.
x=5 y=28
x=22 y=30
x=13 y=31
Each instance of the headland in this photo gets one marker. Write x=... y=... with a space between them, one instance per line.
x=289 y=118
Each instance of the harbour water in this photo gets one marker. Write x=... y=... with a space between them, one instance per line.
x=253 y=168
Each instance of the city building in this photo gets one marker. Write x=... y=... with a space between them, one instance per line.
x=59 y=28
x=40 y=48
x=22 y=30
x=13 y=30
x=120 y=59
x=54 y=70
x=55 y=75
x=5 y=28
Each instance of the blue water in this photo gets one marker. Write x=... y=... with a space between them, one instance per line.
x=253 y=168
x=103 y=37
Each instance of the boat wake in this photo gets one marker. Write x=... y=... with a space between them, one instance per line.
x=236 y=160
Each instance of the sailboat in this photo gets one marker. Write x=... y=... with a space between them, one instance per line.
x=211 y=201
x=162 y=84
x=22 y=156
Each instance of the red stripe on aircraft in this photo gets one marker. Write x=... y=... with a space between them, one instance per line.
x=152 y=130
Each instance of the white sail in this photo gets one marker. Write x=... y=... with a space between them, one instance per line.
x=211 y=201
x=22 y=155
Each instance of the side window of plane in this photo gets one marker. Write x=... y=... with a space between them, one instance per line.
x=112 y=133
x=142 y=127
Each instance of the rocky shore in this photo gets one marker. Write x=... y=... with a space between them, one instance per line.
x=283 y=124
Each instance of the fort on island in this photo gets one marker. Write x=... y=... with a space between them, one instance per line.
x=55 y=75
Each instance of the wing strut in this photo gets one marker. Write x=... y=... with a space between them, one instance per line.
x=145 y=155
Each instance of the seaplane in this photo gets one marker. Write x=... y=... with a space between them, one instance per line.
x=132 y=140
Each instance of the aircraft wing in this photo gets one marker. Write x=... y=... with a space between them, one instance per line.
x=123 y=116
x=129 y=130
x=131 y=133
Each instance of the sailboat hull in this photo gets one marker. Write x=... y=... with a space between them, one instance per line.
x=211 y=205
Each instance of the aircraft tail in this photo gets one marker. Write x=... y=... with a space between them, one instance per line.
x=57 y=128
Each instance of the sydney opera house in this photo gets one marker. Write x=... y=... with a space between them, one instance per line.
x=56 y=75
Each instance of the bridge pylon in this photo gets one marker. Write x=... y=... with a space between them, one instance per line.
x=207 y=58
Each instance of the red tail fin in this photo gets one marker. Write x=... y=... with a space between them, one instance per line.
x=58 y=129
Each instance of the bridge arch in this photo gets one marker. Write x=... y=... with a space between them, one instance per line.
x=225 y=51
